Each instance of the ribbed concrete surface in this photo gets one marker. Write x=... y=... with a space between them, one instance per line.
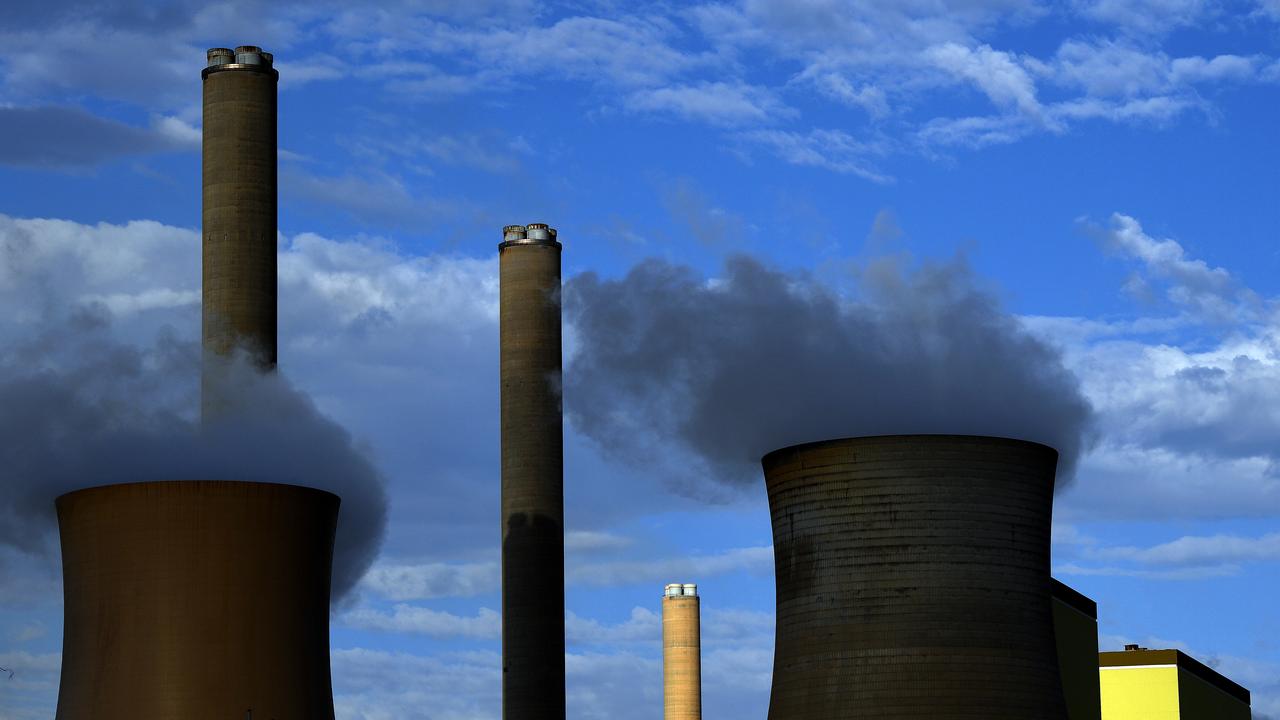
x=532 y=484
x=239 y=218
x=681 y=659
x=196 y=600
x=913 y=579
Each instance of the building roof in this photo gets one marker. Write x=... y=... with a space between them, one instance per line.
x=1143 y=656
x=1074 y=598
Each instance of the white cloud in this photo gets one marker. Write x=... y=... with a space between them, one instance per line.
x=588 y=541
x=833 y=150
x=630 y=572
x=1193 y=550
x=378 y=199
x=1194 y=573
x=29 y=631
x=975 y=132
x=718 y=103
x=643 y=626
x=374 y=684
x=620 y=686
x=1109 y=68
x=1197 y=69
x=1158 y=109
x=1144 y=16
x=132 y=267
x=432 y=580
x=995 y=72
x=32 y=691
x=486 y=624
x=1192 y=282
x=869 y=97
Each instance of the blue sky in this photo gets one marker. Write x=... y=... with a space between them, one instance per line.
x=1107 y=168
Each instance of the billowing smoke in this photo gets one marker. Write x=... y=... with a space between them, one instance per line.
x=733 y=367
x=80 y=408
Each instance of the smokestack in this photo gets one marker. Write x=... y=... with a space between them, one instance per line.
x=681 y=653
x=239 y=208
x=913 y=579
x=532 y=475
x=195 y=599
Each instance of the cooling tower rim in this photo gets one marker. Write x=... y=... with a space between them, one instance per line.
x=195 y=486
x=240 y=67
x=907 y=439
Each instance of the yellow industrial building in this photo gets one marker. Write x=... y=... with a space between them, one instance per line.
x=1142 y=684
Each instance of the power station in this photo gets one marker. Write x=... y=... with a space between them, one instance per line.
x=532 y=474
x=208 y=597
x=681 y=653
x=913 y=579
x=912 y=571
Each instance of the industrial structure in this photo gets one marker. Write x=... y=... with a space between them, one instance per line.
x=194 y=599
x=913 y=579
x=207 y=598
x=532 y=475
x=1166 y=685
x=1075 y=629
x=238 y=223
x=681 y=653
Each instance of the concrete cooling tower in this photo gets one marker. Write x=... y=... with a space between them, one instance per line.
x=532 y=475
x=681 y=653
x=913 y=579
x=196 y=600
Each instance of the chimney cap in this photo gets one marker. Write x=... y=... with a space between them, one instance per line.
x=245 y=57
x=531 y=234
x=680 y=590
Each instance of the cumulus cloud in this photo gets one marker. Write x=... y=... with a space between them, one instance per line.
x=729 y=368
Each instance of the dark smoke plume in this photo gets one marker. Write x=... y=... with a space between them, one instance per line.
x=79 y=408
x=735 y=367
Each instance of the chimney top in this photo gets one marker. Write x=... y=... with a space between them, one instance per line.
x=244 y=57
x=680 y=590
x=531 y=234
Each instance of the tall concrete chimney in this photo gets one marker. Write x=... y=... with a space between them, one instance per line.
x=195 y=599
x=238 y=222
x=681 y=653
x=532 y=475
x=913 y=579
